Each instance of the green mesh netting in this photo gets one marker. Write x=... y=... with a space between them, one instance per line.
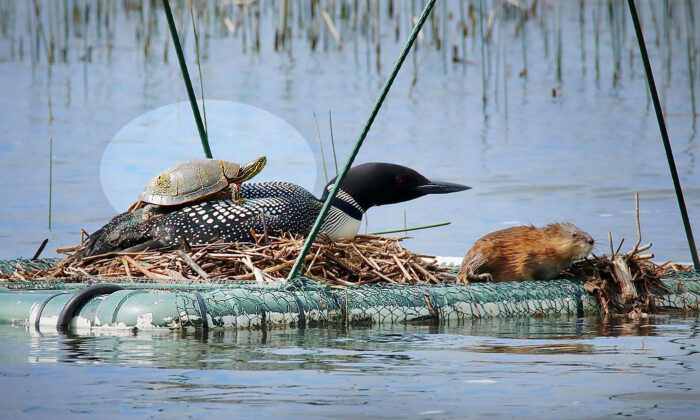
x=9 y=266
x=250 y=304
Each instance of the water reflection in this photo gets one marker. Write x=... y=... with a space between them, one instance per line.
x=531 y=157
x=325 y=349
x=499 y=367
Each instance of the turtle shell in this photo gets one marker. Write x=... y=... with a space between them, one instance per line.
x=189 y=181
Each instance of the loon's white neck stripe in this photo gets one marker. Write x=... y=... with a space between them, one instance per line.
x=342 y=195
x=339 y=224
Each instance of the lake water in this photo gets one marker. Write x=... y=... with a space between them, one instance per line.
x=529 y=368
x=530 y=156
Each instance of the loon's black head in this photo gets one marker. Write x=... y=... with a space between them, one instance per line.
x=377 y=183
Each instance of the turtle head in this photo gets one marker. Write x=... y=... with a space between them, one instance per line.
x=251 y=169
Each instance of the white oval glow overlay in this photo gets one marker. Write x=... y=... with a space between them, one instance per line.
x=237 y=132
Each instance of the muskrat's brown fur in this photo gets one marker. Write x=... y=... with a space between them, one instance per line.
x=524 y=253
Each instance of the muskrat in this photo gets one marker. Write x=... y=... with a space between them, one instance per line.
x=523 y=253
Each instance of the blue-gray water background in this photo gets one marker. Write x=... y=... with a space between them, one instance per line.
x=567 y=132
x=540 y=150
x=525 y=368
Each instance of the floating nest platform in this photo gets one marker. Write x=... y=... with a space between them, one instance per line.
x=371 y=280
x=365 y=259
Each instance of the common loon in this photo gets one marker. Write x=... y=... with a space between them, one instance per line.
x=276 y=206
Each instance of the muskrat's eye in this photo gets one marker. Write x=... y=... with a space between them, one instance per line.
x=574 y=235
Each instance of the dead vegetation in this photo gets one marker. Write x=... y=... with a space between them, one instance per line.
x=366 y=259
x=624 y=283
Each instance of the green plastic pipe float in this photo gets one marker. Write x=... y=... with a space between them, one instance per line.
x=44 y=306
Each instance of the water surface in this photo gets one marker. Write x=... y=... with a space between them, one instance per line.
x=567 y=133
x=548 y=145
x=531 y=368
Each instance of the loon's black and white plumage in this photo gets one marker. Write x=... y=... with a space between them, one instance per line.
x=276 y=206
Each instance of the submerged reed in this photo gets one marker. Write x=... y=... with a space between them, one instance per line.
x=47 y=32
x=53 y=25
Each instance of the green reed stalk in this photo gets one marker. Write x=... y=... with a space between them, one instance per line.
x=483 y=56
x=411 y=229
x=296 y=268
x=559 y=42
x=404 y=219
x=664 y=134
x=690 y=48
x=48 y=101
x=320 y=145
x=497 y=71
x=596 y=40
x=199 y=66
x=285 y=11
x=582 y=39
x=443 y=43
x=545 y=28
x=667 y=35
x=523 y=42
x=614 y=43
x=505 y=79
x=378 y=47
x=335 y=157
x=186 y=76
x=463 y=36
x=41 y=35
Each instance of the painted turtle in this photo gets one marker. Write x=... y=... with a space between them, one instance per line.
x=196 y=180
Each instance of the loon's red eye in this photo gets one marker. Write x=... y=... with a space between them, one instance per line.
x=399 y=179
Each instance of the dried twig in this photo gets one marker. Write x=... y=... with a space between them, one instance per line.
x=186 y=258
x=138 y=266
x=365 y=259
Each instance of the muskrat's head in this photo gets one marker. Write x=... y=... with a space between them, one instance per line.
x=572 y=242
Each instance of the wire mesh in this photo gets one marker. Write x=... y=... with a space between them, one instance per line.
x=304 y=301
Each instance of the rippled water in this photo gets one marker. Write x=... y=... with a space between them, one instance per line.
x=531 y=157
x=533 y=368
x=539 y=150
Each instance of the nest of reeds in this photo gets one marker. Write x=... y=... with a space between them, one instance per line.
x=624 y=282
x=362 y=260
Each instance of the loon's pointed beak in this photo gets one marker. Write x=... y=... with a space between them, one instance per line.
x=441 y=187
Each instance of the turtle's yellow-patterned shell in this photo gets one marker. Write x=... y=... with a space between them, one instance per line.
x=189 y=181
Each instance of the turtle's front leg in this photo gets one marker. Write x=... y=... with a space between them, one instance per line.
x=137 y=205
x=237 y=195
